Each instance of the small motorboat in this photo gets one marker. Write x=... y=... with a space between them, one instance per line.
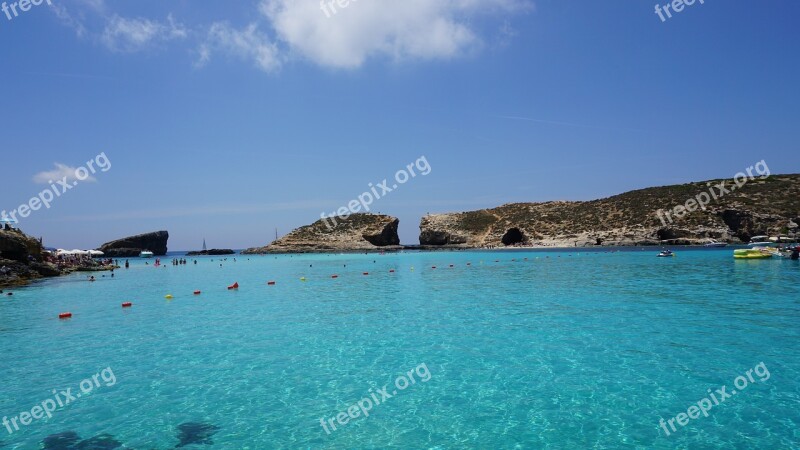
x=760 y=241
x=666 y=254
x=146 y=254
x=715 y=244
x=753 y=253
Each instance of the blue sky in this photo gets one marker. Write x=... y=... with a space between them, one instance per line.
x=225 y=120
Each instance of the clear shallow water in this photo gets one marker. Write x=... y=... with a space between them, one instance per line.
x=564 y=350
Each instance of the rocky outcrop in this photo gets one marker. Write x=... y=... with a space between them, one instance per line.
x=763 y=206
x=17 y=246
x=129 y=247
x=358 y=232
x=212 y=252
x=21 y=259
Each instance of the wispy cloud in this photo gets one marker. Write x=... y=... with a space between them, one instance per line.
x=284 y=30
x=60 y=171
x=248 y=44
x=131 y=35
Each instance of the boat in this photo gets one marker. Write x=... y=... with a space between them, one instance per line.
x=715 y=244
x=753 y=253
x=666 y=254
x=760 y=241
x=146 y=254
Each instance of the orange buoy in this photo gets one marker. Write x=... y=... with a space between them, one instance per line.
x=270 y=283
x=196 y=292
x=234 y=286
x=366 y=273
x=66 y=315
x=127 y=305
x=334 y=276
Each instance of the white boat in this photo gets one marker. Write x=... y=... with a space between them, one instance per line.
x=716 y=244
x=666 y=254
x=760 y=241
x=146 y=254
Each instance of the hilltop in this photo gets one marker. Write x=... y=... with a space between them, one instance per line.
x=768 y=206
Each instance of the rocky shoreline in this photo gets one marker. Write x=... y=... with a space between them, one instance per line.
x=23 y=260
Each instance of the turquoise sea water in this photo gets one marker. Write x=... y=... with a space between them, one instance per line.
x=560 y=350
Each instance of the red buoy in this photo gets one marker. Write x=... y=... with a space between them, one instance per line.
x=366 y=273
x=127 y=305
x=66 y=315
x=433 y=267
x=391 y=270
x=234 y=286
x=196 y=292
x=270 y=283
x=334 y=276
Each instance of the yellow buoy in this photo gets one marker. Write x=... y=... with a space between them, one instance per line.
x=168 y=297
x=303 y=279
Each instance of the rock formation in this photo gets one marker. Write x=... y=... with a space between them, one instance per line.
x=768 y=206
x=359 y=232
x=129 y=247
x=21 y=259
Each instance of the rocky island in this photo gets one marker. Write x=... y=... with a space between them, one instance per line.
x=358 y=232
x=130 y=247
x=762 y=206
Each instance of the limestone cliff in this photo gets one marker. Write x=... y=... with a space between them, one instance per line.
x=129 y=247
x=359 y=232
x=769 y=206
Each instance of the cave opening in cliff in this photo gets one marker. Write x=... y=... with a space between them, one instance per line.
x=513 y=236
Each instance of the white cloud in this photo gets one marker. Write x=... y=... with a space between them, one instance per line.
x=61 y=171
x=248 y=44
x=402 y=30
x=281 y=30
x=130 y=35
